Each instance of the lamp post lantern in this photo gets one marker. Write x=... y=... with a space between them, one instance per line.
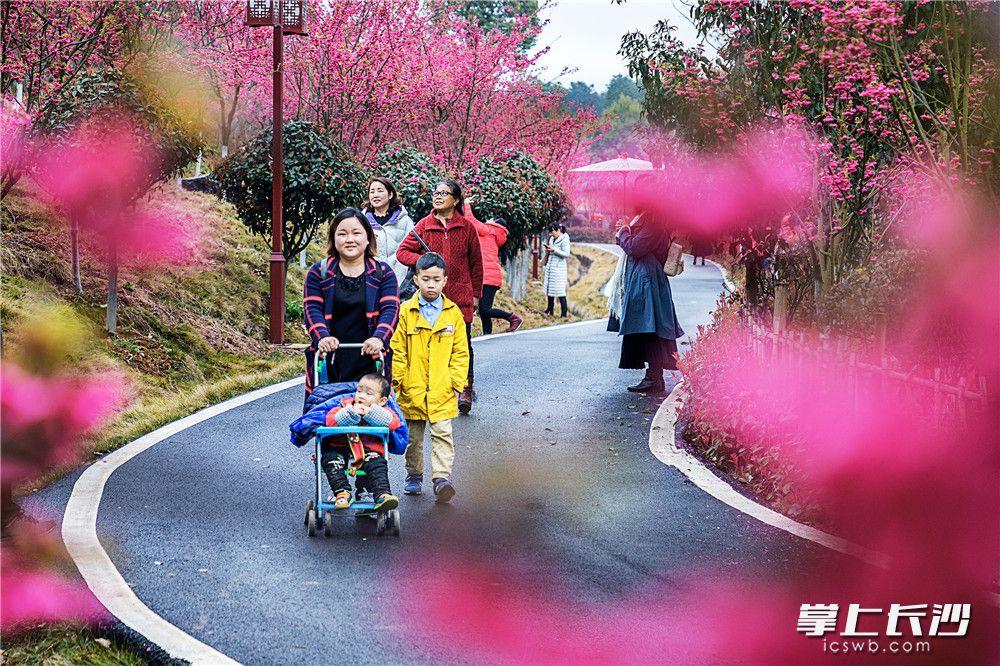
x=283 y=17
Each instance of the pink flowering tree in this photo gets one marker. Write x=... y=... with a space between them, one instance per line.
x=100 y=148
x=428 y=74
x=48 y=408
x=45 y=46
x=233 y=58
x=887 y=88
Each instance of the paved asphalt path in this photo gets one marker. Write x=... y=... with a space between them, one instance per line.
x=552 y=463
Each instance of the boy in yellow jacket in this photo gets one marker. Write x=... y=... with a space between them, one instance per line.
x=430 y=366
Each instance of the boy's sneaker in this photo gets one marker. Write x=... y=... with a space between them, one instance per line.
x=515 y=323
x=386 y=502
x=363 y=496
x=443 y=490
x=343 y=500
x=413 y=483
x=465 y=400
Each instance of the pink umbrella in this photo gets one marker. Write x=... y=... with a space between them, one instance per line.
x=622 y=164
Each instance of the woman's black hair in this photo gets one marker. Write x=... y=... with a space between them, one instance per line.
x=554 y=227
x=456 y=192
x=562 y=228
x=430 y=260
x=502 y=222
x=395 y=203
x=346 y=214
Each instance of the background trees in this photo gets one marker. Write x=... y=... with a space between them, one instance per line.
x=517 y=188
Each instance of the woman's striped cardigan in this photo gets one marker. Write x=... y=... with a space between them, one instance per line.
x=381 y=304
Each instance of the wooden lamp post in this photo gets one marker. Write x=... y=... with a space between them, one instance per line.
x=284 y=17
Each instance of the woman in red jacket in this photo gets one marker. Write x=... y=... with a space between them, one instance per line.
x=448 y=233
x=492 y=235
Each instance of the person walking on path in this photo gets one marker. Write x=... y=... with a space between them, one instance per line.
x=492 y=236
x=642 y=304
x=557 y=252
x=448 y=233
x=390 y=221
x=349 y=297
x=701 y=247
x=430 y=365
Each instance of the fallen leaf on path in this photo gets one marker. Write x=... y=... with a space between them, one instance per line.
x=525 y=413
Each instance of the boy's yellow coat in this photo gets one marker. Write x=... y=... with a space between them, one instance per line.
x=429 y=364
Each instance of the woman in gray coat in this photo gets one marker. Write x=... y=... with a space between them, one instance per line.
x=647 y=322
x=390 y=221
x=557 y=251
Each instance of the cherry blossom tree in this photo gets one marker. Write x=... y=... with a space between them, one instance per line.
x=233 y=58
x=888 y=89
x=45 y=46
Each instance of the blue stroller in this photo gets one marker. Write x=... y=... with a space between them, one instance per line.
x=319 y=512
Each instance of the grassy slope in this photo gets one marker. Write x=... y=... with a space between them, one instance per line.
x=66 y=646
x=188 y=336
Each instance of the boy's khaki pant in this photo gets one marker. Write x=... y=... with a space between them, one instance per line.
x=442 y=448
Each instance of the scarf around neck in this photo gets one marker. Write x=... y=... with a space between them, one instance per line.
x=393 y=218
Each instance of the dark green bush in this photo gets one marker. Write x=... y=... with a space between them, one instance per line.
x=320 y=178
x=413 y=174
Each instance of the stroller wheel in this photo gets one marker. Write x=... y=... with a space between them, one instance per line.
x=309 y=507
x=380 y=524
x=395 y=522
x=328 y=524
x=311 y=522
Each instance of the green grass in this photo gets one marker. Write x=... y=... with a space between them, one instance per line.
x=583 y=295
x=188 y=336
x=66 y=646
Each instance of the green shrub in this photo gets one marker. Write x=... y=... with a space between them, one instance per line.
x=413 y=174
x=320 y=178
x=520 y=190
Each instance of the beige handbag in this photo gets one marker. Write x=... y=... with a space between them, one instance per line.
x=674 y=265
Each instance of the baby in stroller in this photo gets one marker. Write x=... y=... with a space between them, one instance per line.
x=343 y=454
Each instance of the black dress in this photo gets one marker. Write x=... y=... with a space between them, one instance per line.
x=642 y=349
x=349 y=325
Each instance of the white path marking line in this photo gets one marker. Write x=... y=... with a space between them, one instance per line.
x=79 y=526
x=730 y=287
x=661 y=443
x=79 y=532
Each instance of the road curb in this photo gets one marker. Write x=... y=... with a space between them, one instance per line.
x=663 y=445
x=79 y=533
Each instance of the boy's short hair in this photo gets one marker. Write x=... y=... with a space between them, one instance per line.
x=378 y=380
x=430 y=260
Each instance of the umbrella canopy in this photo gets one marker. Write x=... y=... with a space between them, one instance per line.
x=621 y=164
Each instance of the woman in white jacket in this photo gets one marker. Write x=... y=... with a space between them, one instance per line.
x=390 y=221
x=557 y=251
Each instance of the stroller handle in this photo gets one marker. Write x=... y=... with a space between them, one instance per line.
x=380 y=366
